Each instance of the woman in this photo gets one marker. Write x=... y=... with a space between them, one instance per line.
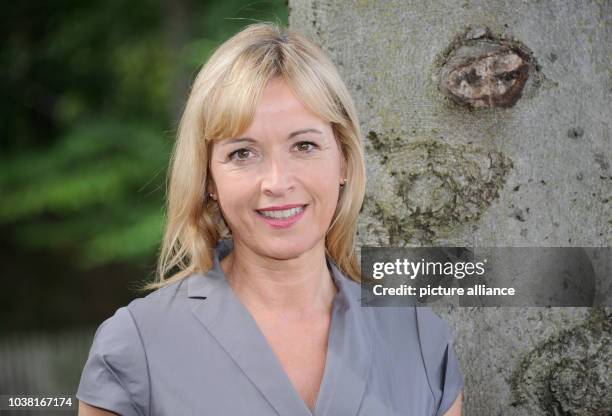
x=263 y=316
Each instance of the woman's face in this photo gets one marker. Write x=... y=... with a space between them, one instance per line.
x=287 y=157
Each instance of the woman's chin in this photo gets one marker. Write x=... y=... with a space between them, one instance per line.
x=284 y=249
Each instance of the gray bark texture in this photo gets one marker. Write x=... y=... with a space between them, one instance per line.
x=487 y=123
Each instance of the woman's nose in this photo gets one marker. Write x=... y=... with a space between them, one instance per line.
x=278 y=177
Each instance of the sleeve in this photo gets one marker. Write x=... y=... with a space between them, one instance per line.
x=115 y=376
x=440 y=359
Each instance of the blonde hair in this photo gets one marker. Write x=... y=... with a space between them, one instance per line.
x=222 y=104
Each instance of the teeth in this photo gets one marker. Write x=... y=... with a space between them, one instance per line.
x=286 y=213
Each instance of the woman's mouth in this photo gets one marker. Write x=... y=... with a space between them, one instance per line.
x=282 y=218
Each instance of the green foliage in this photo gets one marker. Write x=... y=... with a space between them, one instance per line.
x=98 y=186
x=93 y=91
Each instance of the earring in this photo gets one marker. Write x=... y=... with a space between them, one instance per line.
x=344 y=182
x=211 y=195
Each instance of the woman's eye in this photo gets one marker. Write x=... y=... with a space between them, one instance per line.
x=306 y=147
x=239 y=155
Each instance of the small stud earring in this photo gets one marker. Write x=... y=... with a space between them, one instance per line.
x=211 y=195
x=344 y=182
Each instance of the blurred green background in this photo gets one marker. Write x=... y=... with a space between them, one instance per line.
x=92 y=95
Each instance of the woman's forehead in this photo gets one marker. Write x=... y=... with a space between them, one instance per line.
x=278 y=96
x=277 y=112
x=285 y=124
x=278 y=100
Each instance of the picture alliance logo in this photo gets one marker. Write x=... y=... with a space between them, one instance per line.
x=429 y=290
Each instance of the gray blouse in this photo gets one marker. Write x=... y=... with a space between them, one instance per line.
x=192 y=348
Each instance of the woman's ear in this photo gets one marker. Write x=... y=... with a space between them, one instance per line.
x=342 y=156
x=343 y=168
x=211 y=189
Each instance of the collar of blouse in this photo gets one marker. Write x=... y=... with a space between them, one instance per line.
x=349 y=353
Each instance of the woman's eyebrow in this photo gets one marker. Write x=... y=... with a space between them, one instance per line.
x=251 y=140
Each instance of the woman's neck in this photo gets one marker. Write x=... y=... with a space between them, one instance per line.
x=296 y=289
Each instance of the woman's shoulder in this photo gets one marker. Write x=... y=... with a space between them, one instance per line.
x=432 y=338
x=145 y=316
x=123 y=328
x=116 y=373
x=442 y=366
x=116 y=376
x=436 y=338
x=431 y=326
x=420 y=330
x=165 y=300
x=420 y=321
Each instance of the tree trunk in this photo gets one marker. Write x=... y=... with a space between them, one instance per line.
x=515 y=97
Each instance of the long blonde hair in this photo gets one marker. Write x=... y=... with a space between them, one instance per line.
x=222 y=104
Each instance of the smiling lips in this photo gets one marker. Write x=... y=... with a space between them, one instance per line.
x=282 y=217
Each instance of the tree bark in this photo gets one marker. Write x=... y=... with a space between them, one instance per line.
x=509 y=101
